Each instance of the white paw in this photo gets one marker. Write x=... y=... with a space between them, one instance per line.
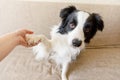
x=33 y=39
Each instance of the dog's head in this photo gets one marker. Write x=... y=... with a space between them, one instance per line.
x=80 y=26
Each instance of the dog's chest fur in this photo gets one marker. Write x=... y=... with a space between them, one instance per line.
x=61 y=50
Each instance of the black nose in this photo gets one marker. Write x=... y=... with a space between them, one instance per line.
x=76 y=42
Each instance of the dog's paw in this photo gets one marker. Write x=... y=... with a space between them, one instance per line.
x=33 y=40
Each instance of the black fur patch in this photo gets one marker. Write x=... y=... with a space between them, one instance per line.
x=68 y=16
x=65 y=26
x=92 y=24
x=66 y=11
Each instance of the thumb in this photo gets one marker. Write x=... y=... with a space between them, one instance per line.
x=28 y=31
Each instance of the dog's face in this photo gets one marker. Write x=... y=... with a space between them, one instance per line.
x=80 y=26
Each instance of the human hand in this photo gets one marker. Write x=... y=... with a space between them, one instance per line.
x=21 y=34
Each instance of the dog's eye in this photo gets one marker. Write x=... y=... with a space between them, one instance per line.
x=87 y=30
x=72 y=25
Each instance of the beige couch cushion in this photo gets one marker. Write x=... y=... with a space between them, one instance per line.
x=100 y=61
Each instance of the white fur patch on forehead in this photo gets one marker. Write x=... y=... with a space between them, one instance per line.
x=82 y=17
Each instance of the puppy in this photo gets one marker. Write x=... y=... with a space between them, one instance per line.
x=67 y=38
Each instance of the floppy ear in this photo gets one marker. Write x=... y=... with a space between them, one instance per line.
x=98 y=21
x=94 y=22
x=66 y=11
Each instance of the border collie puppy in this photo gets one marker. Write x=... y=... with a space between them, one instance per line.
x=67 y=38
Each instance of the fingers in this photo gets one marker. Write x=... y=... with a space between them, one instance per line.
x=24 y=43
x=23 y=32
x=28 y=31
x=28 y=43
x=23 y=40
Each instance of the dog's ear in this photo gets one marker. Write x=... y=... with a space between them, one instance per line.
x=94 y=23
x=98 y=22
x=66 y=11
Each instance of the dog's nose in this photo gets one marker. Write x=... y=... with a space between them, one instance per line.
x=76 y=42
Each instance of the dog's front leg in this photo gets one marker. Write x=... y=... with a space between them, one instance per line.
x=35 y=39
x=43 y=47
x=64 y=71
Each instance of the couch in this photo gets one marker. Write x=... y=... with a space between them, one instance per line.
x=99 y=61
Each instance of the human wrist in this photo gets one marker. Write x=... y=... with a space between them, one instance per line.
x=17 y=37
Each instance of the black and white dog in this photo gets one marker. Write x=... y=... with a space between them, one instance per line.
x=67 y=38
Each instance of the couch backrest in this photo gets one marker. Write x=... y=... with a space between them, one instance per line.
x=41 y=16
x=110 y=14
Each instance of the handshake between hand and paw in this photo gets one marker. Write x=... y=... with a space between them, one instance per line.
x=33 y=40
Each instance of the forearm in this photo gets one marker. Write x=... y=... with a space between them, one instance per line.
x=7 y=43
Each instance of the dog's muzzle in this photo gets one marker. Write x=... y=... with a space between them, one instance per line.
x=76 y=42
